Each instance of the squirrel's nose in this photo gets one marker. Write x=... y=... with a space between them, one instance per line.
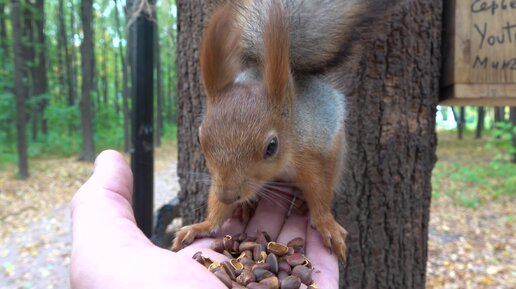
x=228 y=197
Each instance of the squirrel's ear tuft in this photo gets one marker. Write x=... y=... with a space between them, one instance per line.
x=276 y=69
x=219 y=53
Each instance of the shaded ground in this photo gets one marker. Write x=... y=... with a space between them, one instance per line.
x=35 y=239
x=472 y=233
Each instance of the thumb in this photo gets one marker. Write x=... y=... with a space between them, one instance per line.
x=101 y=208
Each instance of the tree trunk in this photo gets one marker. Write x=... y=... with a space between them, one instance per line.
x=480 y=122
x=499 y=114
x=103 y=64
x=88 y=148
x=116 y=83
x=125 y=73
x=27 y=13
x=66 y=57
x=191 y=16
x=159 y=87
x=171 y=93
x=62 y=75
x=4 y=43
x=384 y=197
x=462 y=122
x=20 y=89
x=39 y=75
x=73 y=57
x=171 y=117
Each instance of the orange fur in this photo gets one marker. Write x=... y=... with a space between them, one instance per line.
x=276 y=58
x=219 y=51
x=240 y=120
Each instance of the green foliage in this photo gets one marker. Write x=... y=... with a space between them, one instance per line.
x=109 y=129
x=170 y=132
x=64 y=137
x=468 y=173
x=500 y=141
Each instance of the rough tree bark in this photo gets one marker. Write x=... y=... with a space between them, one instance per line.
x=88 y=146
x=191 y=16
x=384 y=197
x=20 y=89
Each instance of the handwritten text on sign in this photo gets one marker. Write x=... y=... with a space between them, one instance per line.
x=493 y=38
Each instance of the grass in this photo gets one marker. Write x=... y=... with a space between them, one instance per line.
x=470 y=171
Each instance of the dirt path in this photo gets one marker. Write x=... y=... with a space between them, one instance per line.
x=35 y=238
x=39 y=257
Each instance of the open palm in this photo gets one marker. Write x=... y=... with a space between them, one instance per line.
x=109 y=251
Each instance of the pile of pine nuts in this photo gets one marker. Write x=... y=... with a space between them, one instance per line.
x=259 y=263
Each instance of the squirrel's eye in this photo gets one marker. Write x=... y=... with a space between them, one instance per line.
x=272 y=147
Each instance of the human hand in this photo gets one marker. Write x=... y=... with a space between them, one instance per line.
x=109 y=251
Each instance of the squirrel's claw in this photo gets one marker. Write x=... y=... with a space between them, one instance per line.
x=333 y=235
x=186 y=235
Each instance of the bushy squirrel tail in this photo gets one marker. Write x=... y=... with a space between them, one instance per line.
x=322 y=33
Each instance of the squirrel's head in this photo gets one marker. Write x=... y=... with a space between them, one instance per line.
x=245 y=141
x=246 y=133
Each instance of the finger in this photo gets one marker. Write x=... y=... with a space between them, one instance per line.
x=268 y=217
x=101 y=208
x=294 y=226
x=231 y=227
x=326 y=267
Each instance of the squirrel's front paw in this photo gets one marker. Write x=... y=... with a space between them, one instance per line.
x=186 y=235
x=334 y=236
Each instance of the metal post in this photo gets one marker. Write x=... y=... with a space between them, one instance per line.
x=142 y=154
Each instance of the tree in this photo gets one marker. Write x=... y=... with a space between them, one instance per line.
x=4 y=44
x=87 y=59
x=39 y=69
x=384 y=197
x=480 y=122
x=65 y=56
x=125 y=71
x=158 y=131
x=499 y=114
x=20 y=88
x=460 y=120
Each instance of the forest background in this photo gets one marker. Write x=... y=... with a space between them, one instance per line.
x=65 y=94
x=48 y=47
x=66 y=67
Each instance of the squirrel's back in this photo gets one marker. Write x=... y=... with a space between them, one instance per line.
x=322 y=32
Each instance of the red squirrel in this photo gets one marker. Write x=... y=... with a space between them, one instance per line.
x=269 y=116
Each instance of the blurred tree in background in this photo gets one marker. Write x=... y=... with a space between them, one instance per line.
x=65 y=67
